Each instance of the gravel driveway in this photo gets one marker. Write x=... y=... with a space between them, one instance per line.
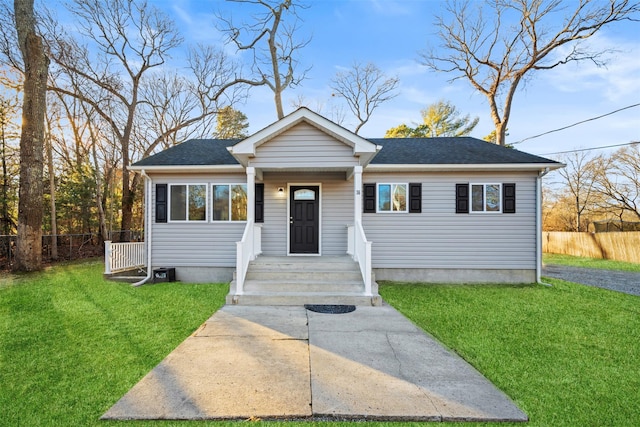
x=621 y=281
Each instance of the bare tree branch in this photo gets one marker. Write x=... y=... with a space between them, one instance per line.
x=271 y=40
x=364 y=88
x=496 y=54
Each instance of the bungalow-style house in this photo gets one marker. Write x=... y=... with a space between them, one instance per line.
x=305 y=211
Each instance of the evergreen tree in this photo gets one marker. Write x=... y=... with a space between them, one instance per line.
x=231 y=124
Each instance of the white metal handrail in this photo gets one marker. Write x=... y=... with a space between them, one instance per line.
x=123 y=256
x=246 y=251
x=362 y=253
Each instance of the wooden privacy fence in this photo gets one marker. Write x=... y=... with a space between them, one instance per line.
x=623 y=246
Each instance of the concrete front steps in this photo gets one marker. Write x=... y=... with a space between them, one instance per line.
x=128 y=276
x=303 y=280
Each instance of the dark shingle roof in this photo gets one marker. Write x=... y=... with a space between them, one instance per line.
x=395 y=151
x=194 y=152
x=447 y=150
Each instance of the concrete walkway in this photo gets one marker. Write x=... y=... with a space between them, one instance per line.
x=291 y=363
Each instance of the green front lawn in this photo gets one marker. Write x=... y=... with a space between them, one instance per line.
x=567 y=354
x=604 y=264
x=72 y=344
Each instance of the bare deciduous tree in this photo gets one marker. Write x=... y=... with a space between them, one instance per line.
x=9 y=131
x=364 y=88
x=273 y=42
x=579 y=176
x=497 y=44
x=36 y=68
x=142 y=108
x=619 y=181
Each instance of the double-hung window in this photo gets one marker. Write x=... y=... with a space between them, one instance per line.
x=188 y=202
x=392 y=197
x=486 y=198
x=229 y=202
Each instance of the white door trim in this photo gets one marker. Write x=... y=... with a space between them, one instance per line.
x=311 y=184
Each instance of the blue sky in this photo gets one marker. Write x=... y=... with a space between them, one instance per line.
x=392 y=33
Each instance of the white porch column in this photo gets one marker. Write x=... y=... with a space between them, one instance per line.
x=357 y=194
x=251 y=194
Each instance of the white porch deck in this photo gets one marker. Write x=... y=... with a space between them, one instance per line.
x=291 y=280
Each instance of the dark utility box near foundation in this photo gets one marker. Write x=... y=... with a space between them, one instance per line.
x=164 y=275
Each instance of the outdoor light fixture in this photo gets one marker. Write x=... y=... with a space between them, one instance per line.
x=281 y=191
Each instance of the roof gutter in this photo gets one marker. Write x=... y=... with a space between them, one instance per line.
x=186 y=168
x=463 y=167
x=148 y=222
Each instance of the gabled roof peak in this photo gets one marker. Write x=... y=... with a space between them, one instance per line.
x=361 y=146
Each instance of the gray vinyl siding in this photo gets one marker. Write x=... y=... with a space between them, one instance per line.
x=274 y=228
x=337 y=214
x=303 y=146
x=438 y=238
x=196 y=244
x=336 y=211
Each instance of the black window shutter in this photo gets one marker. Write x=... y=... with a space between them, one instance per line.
x=509 y=198
x=161 y=202
x=415 y=197
x=462 y=198
x=259 y=203
x=369 y=198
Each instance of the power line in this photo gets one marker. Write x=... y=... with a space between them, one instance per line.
x=575 y=124
x=590 y=149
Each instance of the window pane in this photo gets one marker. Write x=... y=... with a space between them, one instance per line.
x=384 y=198
x=399 y=197
x=197 y=202
x=239 y=202
x=178 y=202
x=493 y=198
x=221 y=203
x=477 y=198
x=304 y=194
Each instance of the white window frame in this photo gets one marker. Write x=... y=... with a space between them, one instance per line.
x=170 y=203
x=229 y=185
x=391 y=211
x=484 y=198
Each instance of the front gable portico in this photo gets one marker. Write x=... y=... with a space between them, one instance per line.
x=304 y=139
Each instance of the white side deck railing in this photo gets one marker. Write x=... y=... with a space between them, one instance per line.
x=360 y=248
x=246 y=251
x=123 y=256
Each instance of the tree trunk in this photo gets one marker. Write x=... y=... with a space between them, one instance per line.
x=501 y=134
x=4 y=210
x=52 y=193
x=102 y=219
x=128 y=195
x=36 y=67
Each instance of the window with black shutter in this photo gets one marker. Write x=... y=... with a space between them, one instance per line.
x=369 y=198
x=415 y=198
x=509 y=198
x=161 y=202
x=259 y=202
x=462 y=198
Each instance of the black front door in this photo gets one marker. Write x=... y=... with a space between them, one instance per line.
x=304 y=219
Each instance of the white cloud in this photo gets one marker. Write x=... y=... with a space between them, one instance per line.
x=615 y=82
